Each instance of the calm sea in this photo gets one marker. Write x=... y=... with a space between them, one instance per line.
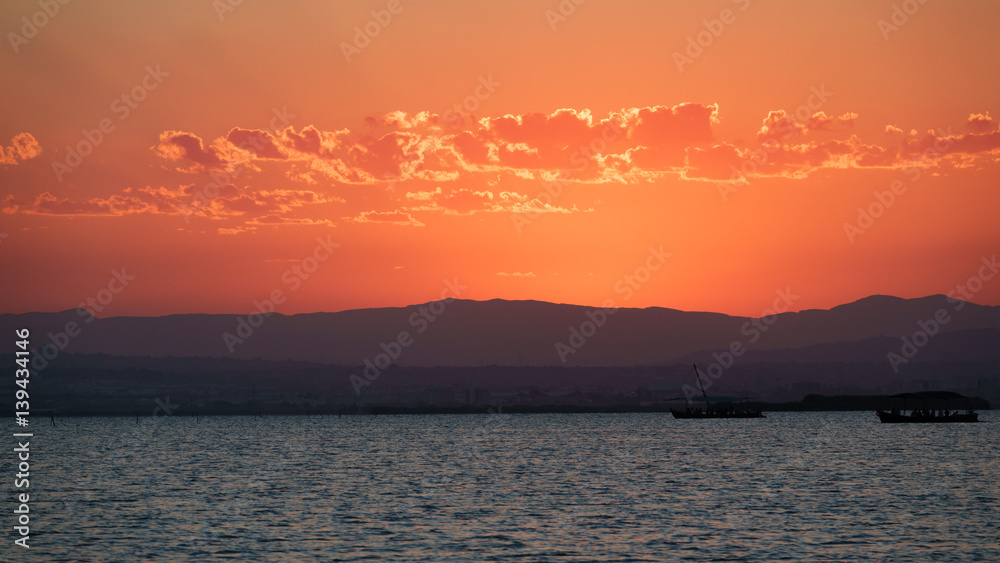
x=496 y=487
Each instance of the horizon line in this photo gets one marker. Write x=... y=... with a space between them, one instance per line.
x=874 y=295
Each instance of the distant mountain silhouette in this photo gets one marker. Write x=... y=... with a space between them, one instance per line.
x=499 y=332
x=974 y=345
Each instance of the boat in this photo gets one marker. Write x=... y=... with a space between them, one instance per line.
x=724 y=407
x=925 y=414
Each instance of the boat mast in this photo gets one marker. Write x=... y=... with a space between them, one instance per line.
x=697 y=376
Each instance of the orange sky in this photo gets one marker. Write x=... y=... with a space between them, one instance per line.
x=526 y=153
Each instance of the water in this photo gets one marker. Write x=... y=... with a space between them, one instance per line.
x=587 y=487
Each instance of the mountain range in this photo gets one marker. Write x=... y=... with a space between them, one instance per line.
x=534 y=333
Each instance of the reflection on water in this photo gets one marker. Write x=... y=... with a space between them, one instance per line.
x=627 y=487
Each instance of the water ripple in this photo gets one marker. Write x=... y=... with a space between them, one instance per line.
x=599 y=487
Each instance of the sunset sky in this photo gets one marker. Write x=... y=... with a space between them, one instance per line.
x=527 y=149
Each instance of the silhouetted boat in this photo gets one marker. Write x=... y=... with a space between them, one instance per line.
x=730 y=408
x=925 y=414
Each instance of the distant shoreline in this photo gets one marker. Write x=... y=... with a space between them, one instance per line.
x=812 y=403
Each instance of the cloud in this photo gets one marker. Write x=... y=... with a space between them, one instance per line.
x=23 y=146
x=312 y=141
x=402 y=147
x=402 y=120
x=893 y=131
x=530 y=207
x=576 y=141
x=467 y=201
x=235 y=230
x=873 y=155
x=682 y=125
x=266 y=207
x=464 y=201
x=182 y=146
x=461 y=201
x=424 y=196
x=261 y=143
x=781 y=127
x=980 y=123
x=396 y=217
x=405 y=169
x=561 y=127
x=252 y=205
x=48 y=204
x=408 y=151
x=972 y=143
x=717 y=162
x=473 y=149
x=280 y=221
x=934 y=145
x=820 y=121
